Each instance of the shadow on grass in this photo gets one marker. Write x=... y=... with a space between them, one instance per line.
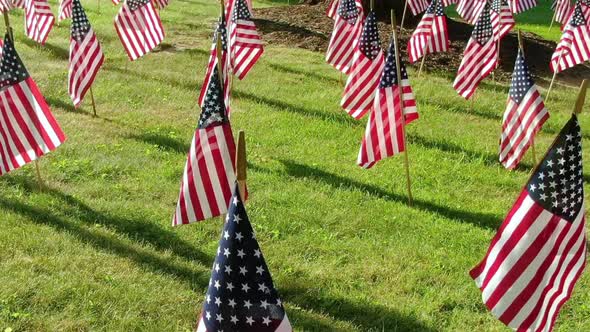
x=298 y=170
x=464 y=107
x=55 y=102
x=307 y=74
x=56 y=52
x=140 y=230
x=162 y=141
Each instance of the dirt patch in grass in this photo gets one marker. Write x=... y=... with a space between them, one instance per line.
x=306 y=26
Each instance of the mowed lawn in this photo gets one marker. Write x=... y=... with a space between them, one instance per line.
x=95 y=250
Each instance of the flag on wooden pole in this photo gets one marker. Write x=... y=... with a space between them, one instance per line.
x=384 y=135
x=519 y=6
x=502 y=18
x=28 y=130
x=470 y=10
x=573 y=48
x=139 y=27
x=479 y=58
x=348 y=24
x=38 y=20
x=65 y=10
x=539 y=252
x=367 y=64
x=241 y=295
x=86 y=56
x=524 y=116
x=245 y=45
x=417 y=6
x=431 y=34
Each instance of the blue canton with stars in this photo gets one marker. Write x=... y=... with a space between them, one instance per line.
x=348 y=11
x=12 y=69
x=497 y=5
x=241 y=295
x=241 y=12
x=213 y=109
x=389 y=76
x=135 y=4
x=522 y=81
x=436 y=7
x=370 y=45
x=80 y=23
x=578 y=17
x=483 y=28
x=558 y=182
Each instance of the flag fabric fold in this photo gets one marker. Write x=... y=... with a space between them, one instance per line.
x=524 y=116
x=332 y=9
x=65 y=10
x=470 y=10
x=209 y=174
x=574 y=45
x=563 y=9
x=241 y=295
x=480 y=57
x=86 y=55
x=6 y=5
x=245 y=43
x=348 y=24
x=367 y=64
x=502 y=18
x=417 y=6
x=139 y=27
x=519 y=6
x=539 y=251
x=384 y=134
x=431 y=34
x=28 y=129
x=38 y=20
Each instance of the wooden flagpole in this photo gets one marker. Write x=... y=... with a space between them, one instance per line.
x=241 y=164
x=11 y=34
x=421 y=65
x=93 y=102
x=401 y=26
x=403 y=118
x=553 y=78
x=553 y=19
x=372 y=5
x=581 y=97
x=521 y=48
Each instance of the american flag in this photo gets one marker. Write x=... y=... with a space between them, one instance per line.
x=348 y=25
x=332 y=9
x=241 y=295
x=384 y=136
x=431 y=34
x=539 y=252
x=28 y=130
x=65 y=10
x=367 y=64
x=86 y=56
x=573 y=47
x=19 y=4
x=245 y=45
x=220 y=30
x=417 y=6
x=562 y=9
x=470 y=9
x=209 y=174
x=502 y=19
x=519 y=6
x=479 y=58
x=139 y=27
x=6 y=5
x=524 y=116
x=38 y=20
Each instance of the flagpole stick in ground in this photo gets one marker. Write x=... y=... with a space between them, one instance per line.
x=521 y=48
x=401 y=26
x=401 y=96
x=93 y=103
x=581 y=97
x=421 y=65
x=553 y=78
x=553 y=19
x=241 y=164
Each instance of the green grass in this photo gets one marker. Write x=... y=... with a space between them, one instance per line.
x=95 y=250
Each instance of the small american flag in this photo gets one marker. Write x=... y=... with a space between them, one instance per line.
x=470 y=9
x=417 y=6
x=367 y=64
x=86 y=56
x=209 y=174
x=241 y=295
x=332 y=9
x=539 y=252
x=38 y=20
x=524 y=116
x=65 y=10
x=220 y=30
x=348 y=25
x=431 y=34
x=519 y=6
x=479 y=58
x=139 y=27
x=246 y=45
x=28 y=130
x=502 y=19
x=563 y=9
x=573 y=49
x=384 y=136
